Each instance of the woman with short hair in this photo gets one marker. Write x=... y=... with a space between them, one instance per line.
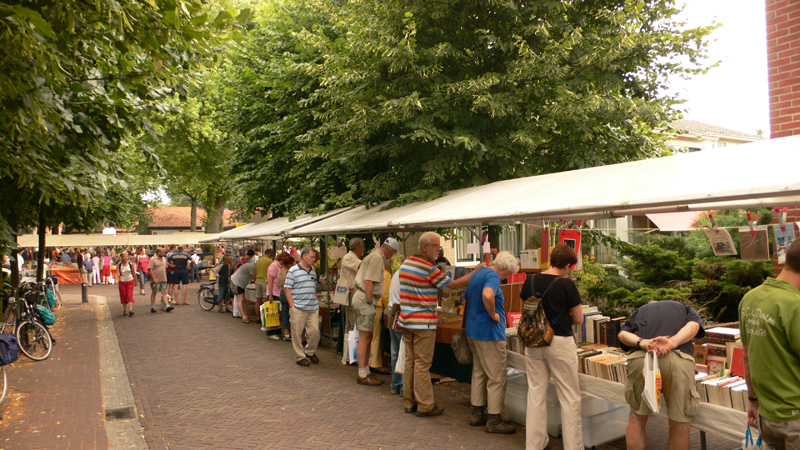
x=126 y=272
x=485 y=323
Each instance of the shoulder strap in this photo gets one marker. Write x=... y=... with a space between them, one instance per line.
x=533 y=291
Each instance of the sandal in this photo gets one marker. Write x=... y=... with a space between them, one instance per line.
x=246 y=320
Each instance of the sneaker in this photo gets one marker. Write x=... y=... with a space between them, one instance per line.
x=436 y=411
x=368 y=381
x=170 y=307
x=263 y=328
x=221 y=309
x=274 y=337
x=287 y=339
x=152 y=310
x=497 y=426
x=478 y=418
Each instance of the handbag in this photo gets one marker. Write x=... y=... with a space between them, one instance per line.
x=652 y=382
x=271 y=314
x=534 y=329
x=400 y=365
x=9 y=349
x=341 y=295
x=459 y=343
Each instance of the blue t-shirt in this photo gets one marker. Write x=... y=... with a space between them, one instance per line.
x=479 y=325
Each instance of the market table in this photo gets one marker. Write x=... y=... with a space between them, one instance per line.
x=721 y=420
x=71 y=275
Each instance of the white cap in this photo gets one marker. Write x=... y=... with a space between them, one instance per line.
x=392 y=242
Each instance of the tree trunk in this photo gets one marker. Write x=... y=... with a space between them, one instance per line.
x=42 y=242
x=215 y=215
x=193 y=226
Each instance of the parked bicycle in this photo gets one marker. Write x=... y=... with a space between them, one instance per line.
x=208 y=297
x=27 y=323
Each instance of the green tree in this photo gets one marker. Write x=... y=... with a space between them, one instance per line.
x=368 y=100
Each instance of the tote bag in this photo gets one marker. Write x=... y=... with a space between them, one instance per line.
x=652 y=382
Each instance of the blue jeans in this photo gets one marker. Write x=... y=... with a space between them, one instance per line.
x=223 y=292
x=397 y=378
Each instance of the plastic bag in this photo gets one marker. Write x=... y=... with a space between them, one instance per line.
x=652 y=382
x=400 y=366
x=748 y=443
x=270 y=315
x=352 y=346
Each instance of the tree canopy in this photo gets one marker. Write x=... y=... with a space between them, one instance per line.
x=364 y=101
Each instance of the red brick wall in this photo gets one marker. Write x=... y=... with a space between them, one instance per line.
x=783 y=49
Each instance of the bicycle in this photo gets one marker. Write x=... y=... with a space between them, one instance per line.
x=51 y=285
x=207 y=297
x=35 y=340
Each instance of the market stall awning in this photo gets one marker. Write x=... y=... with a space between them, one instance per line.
x=276 y=228
x=358 y=220
x=111 y=240
x=674 y=221
x=732 y=177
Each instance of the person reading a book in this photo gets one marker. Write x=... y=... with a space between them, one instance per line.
x=666 y=327
x=769 y=317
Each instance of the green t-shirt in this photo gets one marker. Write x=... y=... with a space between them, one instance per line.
x=769 y=320
x=262 y=266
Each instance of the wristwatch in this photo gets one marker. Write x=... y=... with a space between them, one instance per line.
x=639 y=343
x=753 y=399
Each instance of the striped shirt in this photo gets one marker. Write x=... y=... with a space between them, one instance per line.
x=420 y=281
x=303 y=284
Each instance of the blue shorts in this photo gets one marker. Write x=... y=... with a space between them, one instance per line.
x=180 y=277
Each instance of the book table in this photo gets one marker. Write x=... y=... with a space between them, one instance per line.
x=721 y=420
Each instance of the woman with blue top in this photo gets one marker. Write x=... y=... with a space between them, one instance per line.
x=486 y=335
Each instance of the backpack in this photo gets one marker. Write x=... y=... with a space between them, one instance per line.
x=9 y=349
x=534 y=329
x=48 y=318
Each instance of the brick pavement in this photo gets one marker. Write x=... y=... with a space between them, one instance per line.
x=202 y=380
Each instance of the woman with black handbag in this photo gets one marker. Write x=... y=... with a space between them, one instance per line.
x=562 y=306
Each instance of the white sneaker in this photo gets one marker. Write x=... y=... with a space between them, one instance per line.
x=263 y=328
x=274 y=337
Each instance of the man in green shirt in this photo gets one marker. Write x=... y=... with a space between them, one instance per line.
x=769 y=318
x=262 y=290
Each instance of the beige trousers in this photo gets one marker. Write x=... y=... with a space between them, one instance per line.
x=417 y=386
x=308 y=320
x=489 y=374
x=559 y=360
x=376 y=358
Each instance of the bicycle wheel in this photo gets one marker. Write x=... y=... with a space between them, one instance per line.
x=207 y=299
x=34 y=340
x=4 y=380
x=59 y=301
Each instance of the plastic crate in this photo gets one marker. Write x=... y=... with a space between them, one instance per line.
x=516 y=403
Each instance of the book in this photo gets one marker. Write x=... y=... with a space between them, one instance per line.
x=700 y=354
x=512 y=319
x=717 y=350
x=736 y=361
x=716 y=365
x=721 y=335
x=598 y=334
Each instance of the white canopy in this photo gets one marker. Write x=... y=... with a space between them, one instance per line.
x=275 y=228
x=751 y=175
x=110 y=240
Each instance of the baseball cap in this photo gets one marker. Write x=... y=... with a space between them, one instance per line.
x=392 y=242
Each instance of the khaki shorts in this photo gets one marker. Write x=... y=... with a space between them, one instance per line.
x=678 y=389
x=365 y=312
x=261 y=289
x=158 y=287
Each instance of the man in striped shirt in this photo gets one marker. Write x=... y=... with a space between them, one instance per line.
x=420 y=281
x=301 y=294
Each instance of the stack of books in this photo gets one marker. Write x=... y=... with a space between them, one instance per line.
x=722 y=352
x=602 y=361
x=730 y=391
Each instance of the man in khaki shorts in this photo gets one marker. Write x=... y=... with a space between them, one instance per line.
x=158 y=280
x=369 y=288
x=666 y=327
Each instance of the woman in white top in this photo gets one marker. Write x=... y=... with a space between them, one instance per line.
x=126 y=273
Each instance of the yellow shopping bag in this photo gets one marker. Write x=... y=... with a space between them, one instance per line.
x=270 y=311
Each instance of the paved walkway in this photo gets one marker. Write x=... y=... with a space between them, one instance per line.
x=202 y=380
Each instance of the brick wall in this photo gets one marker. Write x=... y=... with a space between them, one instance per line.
x=783 y=50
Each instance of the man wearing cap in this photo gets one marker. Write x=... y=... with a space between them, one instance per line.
x=369 y=288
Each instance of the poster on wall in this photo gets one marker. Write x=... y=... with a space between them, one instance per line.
x=721 y=242
x=545 y=255
x=782 y=240
x=754 y=247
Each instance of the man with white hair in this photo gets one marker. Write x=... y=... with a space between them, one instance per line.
x=420 y=281
x=369 y=288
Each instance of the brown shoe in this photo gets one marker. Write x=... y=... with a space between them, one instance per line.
x=497 y=426
x=368 y=381
x=303 y=362
x=314 y=358
x=436 y=411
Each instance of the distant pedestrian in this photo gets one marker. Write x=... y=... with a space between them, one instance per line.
x=97 y=262
x=300 y=289
x=106 y=267
x=224 y=280
x=286 y=262
x=243 y=276
x=126 y=272
x=157 y=268
x=262 y=275
x=181 y=264
x=88 y=267
x=142 y=261
x=195 y=266
x=170 y=274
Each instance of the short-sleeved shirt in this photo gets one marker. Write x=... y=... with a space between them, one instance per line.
x=562 y=297
x=663 y=318
x=181 y=260
x=158 y=266
x=273 y=271
x=303 y=285
x=244 y=275
x=349 y=268
x=371 y=269
x=420 y=281
x=478 y=323
x=262 y=267
x=769 y=317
